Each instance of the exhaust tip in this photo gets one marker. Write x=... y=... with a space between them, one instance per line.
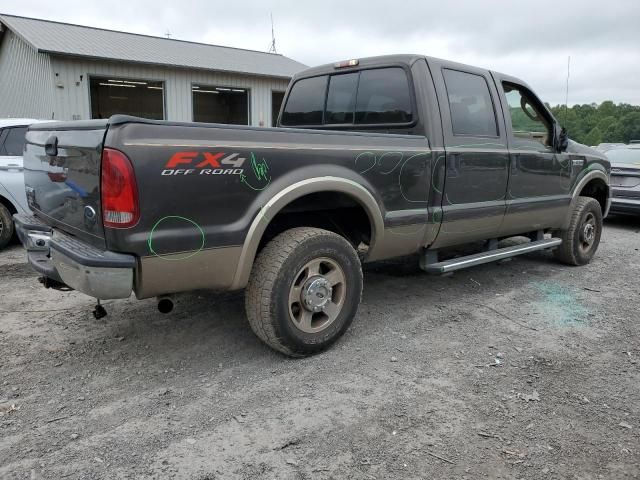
x=165 y=305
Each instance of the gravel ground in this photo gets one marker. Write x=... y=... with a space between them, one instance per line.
x=526 y=369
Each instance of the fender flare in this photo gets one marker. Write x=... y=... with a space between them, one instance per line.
x=286 y=196
x=592 y=175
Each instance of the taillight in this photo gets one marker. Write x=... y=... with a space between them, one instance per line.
x=119 y=193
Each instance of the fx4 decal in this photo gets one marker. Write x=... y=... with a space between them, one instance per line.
x=204 y=163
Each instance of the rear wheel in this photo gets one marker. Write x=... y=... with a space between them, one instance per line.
x=6 y=226
x=580 y=241
x=304 y=290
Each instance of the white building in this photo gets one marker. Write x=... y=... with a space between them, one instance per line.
x=59 y=71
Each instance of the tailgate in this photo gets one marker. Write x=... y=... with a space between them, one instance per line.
x=62 y=176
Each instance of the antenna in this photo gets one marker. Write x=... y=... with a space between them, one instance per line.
x=566 y=95
x=272 y=47
x=168 y=34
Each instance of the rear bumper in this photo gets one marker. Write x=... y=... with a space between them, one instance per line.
x=94 y=272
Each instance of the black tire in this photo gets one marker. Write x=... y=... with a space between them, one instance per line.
x=578 y=248
x=6 y=226
x=281 y=271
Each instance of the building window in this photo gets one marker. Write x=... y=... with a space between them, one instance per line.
x=220 y=105
x=140 y=98
x=276 y=103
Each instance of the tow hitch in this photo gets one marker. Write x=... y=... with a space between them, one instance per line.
x=99 y=311
x=56 y=285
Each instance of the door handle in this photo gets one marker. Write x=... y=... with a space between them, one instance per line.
x=515 y=159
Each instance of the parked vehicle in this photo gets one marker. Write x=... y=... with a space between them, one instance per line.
x=372 y=159
x=625 y=179
x=603 y=147
x=12 y=191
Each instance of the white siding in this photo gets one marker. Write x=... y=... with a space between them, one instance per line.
x=26 y=85
x=72 y=97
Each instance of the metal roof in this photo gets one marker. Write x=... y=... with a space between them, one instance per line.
x=77 y=40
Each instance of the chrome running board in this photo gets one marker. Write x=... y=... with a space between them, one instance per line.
x=485 y=257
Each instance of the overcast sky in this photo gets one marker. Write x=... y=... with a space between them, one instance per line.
x=528 y=39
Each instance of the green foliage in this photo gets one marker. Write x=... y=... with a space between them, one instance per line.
x=522 y=123
x=592 y=124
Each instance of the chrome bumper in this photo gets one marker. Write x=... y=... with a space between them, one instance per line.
x=98 y=273
x=625 y=205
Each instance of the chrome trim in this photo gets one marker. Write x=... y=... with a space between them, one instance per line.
x=287 y=195
x=37 y=241
x=103 y=283
x=487 y=257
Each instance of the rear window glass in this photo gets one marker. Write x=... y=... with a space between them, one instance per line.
x=14 y=142
x=306 y=102
x=383 y=97
x=341 y=99
x=470 y=104
x=370 y=97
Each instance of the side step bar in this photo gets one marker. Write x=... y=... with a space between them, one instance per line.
x=485 y=257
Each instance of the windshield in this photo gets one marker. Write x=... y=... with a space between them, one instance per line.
x=624 y=155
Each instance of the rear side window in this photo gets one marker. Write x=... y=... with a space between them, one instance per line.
x=370 y=97
x=14 y=141
x=383 y=97
x=470 y=103
x=306 y=102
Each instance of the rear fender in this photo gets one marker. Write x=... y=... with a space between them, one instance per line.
x=289 y=194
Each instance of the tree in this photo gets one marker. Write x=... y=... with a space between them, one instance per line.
x=594 y=137
x=593 y=124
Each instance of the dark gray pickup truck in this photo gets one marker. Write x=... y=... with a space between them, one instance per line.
x=372 y=159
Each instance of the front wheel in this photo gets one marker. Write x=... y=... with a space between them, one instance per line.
x=580 y=241
x=304 y=290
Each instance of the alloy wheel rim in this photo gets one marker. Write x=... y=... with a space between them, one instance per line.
x=588 y=232
x=317 y=295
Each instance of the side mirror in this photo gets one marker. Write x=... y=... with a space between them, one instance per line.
x=562 y=140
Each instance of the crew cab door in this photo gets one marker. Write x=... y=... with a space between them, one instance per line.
x=477 y=159
x=540 y=177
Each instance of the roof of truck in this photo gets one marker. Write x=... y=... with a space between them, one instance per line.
x=405 y=58
x=82 y=41
x=363 y=63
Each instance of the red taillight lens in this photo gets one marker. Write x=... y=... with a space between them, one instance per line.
x=118 y=190
x=58 y=177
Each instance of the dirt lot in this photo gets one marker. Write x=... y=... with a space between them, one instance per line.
x=527 y=369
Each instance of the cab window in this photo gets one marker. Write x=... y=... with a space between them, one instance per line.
x=12 y=142
x=530 y=125
x=379 y=96
x=341 y=99
x=383 y=97
x=470 y=104
x=305 y=104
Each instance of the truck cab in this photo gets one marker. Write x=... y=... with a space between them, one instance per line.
x=371 y=159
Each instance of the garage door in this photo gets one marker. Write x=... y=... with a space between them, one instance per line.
x=140 y=98
x=220 y=104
